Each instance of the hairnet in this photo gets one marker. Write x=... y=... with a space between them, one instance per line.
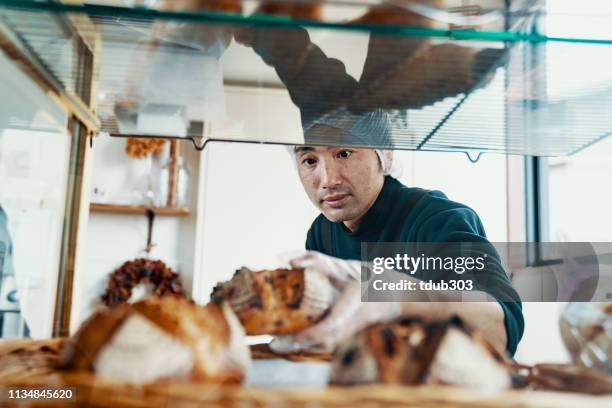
x=358 y=129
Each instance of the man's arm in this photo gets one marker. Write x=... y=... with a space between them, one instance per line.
x=501 y=321
x=316 y=83
x=477 y=308
x=487 y=317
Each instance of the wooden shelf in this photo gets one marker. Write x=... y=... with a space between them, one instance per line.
x=138 y=209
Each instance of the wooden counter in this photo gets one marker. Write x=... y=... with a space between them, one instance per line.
x=31 y=364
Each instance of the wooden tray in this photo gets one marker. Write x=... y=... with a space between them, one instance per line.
x=31 y=364
x=263 y=351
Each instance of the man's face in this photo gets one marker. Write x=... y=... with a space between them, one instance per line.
x=343 y=182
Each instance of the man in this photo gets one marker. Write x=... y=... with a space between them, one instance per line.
x=358 y=199
x=361 y=203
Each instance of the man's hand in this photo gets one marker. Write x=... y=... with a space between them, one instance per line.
x=347 y=315
x=339 y=271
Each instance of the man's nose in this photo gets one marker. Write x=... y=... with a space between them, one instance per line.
x=330 y=175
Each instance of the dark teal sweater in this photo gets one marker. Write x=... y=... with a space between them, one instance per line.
x=396 y=216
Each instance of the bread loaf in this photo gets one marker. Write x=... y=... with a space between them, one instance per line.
x=409 y=351
x=280 y=301
x=159 y=339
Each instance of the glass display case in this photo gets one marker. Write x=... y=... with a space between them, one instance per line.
x=503 y=104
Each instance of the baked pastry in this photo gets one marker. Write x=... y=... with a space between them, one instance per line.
x=426 y=75
x=297 y=10
x=394 y=13
x=280 y=301
x=229 y=6
x=160 y=339
x=131 y=274
x=386 y=52
x=409 y=351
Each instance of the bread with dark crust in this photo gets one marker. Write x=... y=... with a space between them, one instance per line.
x=410 y=351
x=299 y=11
x=229 y=6
x=280 y=301
x=123 y=280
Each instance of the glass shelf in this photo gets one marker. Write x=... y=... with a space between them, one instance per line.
x=469 y=76
x=483 y=20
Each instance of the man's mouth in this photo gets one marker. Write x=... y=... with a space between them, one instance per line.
x=336 y=200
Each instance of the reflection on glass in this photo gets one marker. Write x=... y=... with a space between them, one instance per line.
x=398 y=74
x=33 y=178
x=423 y=64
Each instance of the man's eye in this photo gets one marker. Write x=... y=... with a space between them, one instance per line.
x=344 y=154
x=309 y=161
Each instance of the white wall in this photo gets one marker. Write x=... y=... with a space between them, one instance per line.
x=115 y=238
x=255 y=209
x=253 y=204
x=542 y=339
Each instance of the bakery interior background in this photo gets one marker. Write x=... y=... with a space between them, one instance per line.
x=245 y=201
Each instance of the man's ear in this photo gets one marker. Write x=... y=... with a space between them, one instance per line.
x=386 y=162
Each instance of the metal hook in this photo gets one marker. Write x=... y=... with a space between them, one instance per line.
x=199 y=143
x=150 y=219
x=473 y=160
